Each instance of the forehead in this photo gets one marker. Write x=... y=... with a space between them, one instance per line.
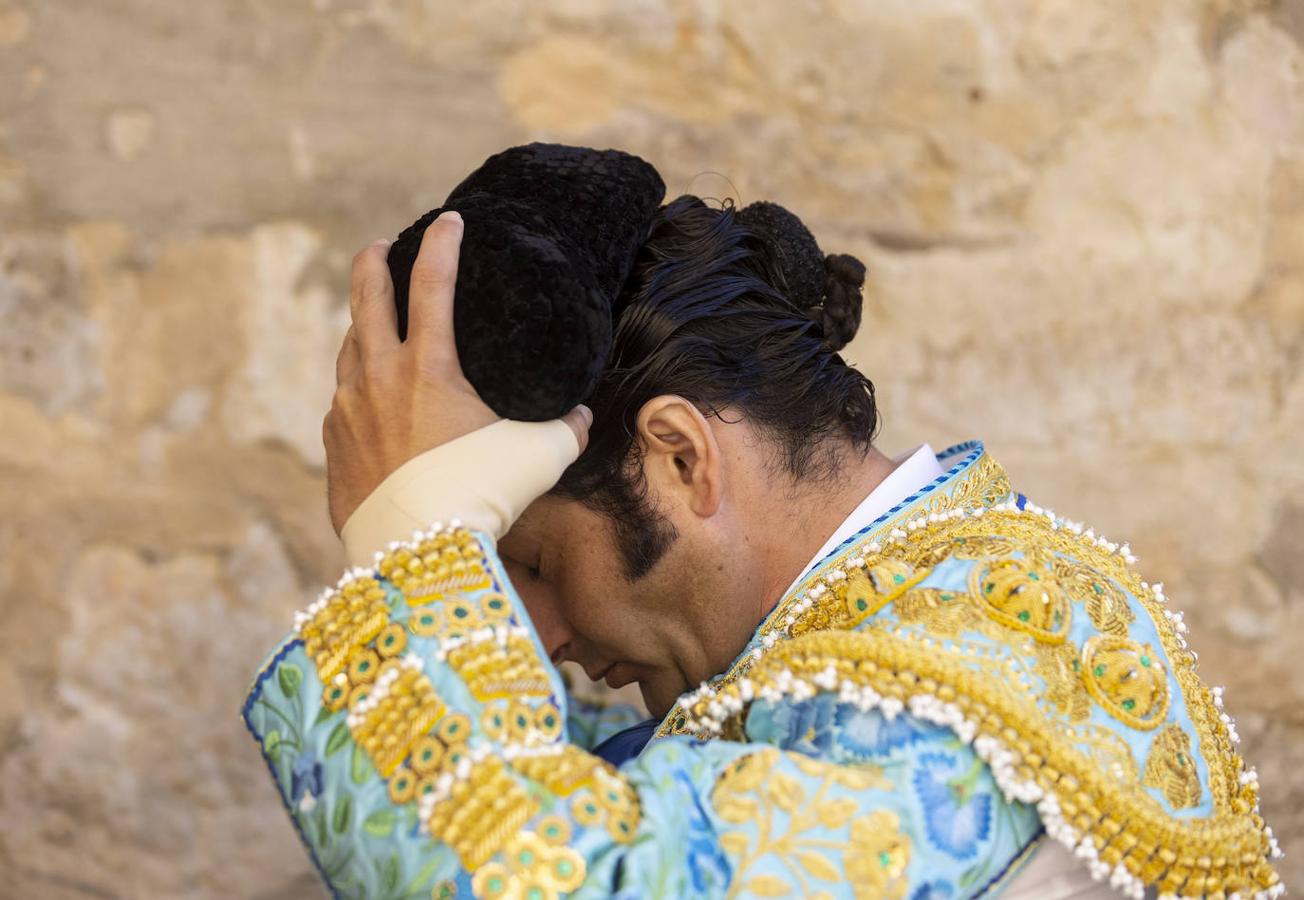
x=555 y=525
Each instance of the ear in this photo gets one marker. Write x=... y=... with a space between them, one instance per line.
x=682 y=457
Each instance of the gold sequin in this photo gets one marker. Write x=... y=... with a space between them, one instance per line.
x=391 y=641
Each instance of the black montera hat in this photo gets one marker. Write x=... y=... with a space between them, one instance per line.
x=551 y=235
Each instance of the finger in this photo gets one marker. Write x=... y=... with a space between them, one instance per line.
x=430 y=297
x=371 y=300
x=580 y=420
x=346 y=363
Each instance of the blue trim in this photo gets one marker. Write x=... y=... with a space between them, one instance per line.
x=1021 y=500
x=254 y=693
x=974 y=449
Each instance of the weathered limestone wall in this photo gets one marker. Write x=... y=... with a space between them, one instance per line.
x=1084 y=224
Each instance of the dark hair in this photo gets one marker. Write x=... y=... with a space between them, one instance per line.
x=707 y=314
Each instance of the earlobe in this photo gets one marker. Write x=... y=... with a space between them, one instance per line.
x=682 y=455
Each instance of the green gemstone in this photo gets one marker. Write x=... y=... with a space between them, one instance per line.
x=389 y=639
x=861 y=604
x=1145 y=660
x=1129 y=704
x=1096 y=586
x=1024 y=617
x=1181 y=759
x=526 y=858
x=884 y=858
x=1099 y=670
x=564 y=867
x=453 y=727
x=495 y=885
x=899 y=579
x=550 y=720
x=364 y=666
x=460 y=612
x=427 y=619
x=948 y=596
x=553 y=831
x=534 y=893
x=989 y=587
x=1034 y=576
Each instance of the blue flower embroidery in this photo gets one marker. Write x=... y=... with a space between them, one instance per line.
x=806 y=727
x=957 y=816
x=305 y=780
x=868 y=733
x=933 y=890
x=707 y=865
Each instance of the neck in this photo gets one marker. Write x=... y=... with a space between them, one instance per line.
x=814 y=515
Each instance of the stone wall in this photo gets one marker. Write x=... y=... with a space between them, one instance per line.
x=1084 y=224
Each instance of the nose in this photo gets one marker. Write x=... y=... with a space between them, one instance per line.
x=543 y=604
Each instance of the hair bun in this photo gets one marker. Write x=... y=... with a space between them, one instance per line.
x=844 y=278
x=827 y=288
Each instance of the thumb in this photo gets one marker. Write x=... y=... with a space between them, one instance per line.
x=580 y=419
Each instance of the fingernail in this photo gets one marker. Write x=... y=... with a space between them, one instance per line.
x=383 y=242
x=451 y=215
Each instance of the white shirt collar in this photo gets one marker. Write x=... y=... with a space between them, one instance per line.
x=914 y=469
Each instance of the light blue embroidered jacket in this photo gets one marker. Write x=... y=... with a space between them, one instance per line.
x=966 y=676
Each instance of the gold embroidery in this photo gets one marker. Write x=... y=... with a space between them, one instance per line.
x=395 y=721
x=750 y=790
x=1106 y=604
x=449 y=562
x=1171 y=770
x=1128 y=824
x=981 y=484
x=493 y=671
x=1022 y=594
x=350 y=618
x=1058 y=666
x=1088 y=767
x=535 y=870
x=942 y=613
x=860 y=596
x=1128 y=680
x=877 y=857
x=482 y=813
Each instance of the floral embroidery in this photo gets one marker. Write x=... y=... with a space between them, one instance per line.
x=305 y=780
x=789 y=821
x=877 y=857
x=934 y=890
x=956 y=815
x=707 y=866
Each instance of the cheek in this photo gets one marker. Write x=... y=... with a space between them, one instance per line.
x=542 y=602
